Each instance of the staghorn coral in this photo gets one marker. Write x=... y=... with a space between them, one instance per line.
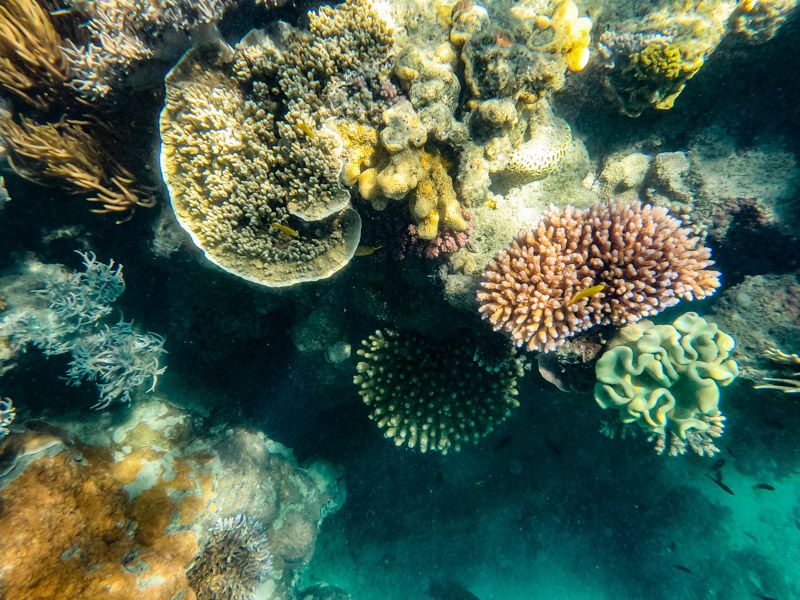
x=235 y=558
x=33 y=67
x=436 y=395
x=7 y=415
x=788 y=385
x=251 y=153
x=642 y=257
x=666 y=379
x=67 y=153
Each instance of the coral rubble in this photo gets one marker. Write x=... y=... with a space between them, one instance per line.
x=666 y=379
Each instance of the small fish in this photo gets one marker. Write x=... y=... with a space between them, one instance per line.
x=682 y=568
x=367 y=250
x=503 y=442
x=61 y=11
x=764 y=486
x=673 y=546
x=447 y=589
x=490 y=203
x=721 y=485
x=587 y=293
x=553 y=448
x=718 y=464
x=305 y=129
x=288 y=231
x=763 y=597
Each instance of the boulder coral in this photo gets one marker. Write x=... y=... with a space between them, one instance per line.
x=666 y=379
x=611 y=264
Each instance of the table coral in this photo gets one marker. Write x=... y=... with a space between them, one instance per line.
x=666 y=379
x=262 y=196
x=436 y=395
x=642 y=257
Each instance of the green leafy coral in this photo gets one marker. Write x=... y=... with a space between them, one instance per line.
x=666 y=378
x=433 y=394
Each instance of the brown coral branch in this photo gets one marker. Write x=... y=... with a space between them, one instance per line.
x=32 y=64
x=66 y=152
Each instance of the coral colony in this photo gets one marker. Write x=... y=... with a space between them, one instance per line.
x=441 y=174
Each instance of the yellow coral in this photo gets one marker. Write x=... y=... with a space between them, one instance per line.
x=571 y=33
x=360 y=149
x=435 y=201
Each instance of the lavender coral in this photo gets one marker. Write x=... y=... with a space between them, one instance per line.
x=635 y=260
x=66 y=317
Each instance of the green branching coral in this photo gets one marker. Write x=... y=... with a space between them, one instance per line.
x=666 y=378
x=436 y=395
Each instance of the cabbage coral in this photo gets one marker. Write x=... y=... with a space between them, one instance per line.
x=611 y=264
x=666 y=379
x=436 y=395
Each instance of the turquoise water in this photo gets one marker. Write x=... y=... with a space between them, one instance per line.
x=274 y=364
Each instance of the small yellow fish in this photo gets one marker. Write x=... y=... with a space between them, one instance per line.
x=288 y=231
x=587 y=293
x=490 y=203
x=303 y=128
x=367 y=250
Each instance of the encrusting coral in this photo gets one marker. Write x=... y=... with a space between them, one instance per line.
x=67 y=153
x=759 y=20
x=436 y=395
x=251 y=153
x=33 y=67
x=649 y=60
x=611 y=264
x=666 y=379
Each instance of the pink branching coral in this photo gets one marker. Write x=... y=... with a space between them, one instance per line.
x=611 y=264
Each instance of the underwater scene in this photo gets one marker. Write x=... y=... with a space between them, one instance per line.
x=399 y=300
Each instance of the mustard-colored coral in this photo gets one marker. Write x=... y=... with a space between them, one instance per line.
x=658 y=61
x=666 y=378
x=571 y=33
x=435 y=204
x=361 y=149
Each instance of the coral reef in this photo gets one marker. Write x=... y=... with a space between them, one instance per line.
x=120 y=507
x=115 y=36
x=67 y=153
x=649 y=60
x=436 y=395
x=666 y=379
x=759 y=20
x=638 y=259
x=761 y=312
x=33 y=68
x=234 y=560
x=7 y=415
x=278 y=216
x=64 y=315
x=4 y=197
